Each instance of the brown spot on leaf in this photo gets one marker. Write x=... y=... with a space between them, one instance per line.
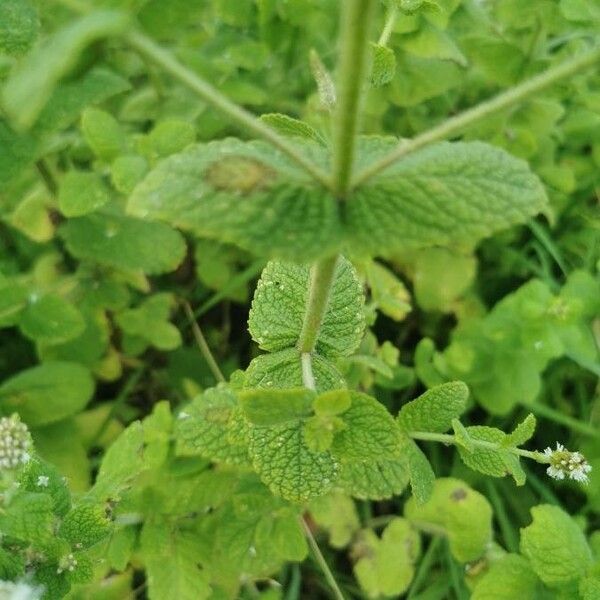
x=239 y=174
x=458 y=494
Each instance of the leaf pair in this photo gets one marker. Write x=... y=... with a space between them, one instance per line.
x=247 y=193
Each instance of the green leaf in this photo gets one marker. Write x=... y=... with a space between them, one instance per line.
x=202 y=428
x=464 y=515
x=430 y=42
x=13 y=299
x=283 y=369
x=124 y=242
x=285 y=533
x=47 y=393
x=11 y=565
x=280 y=303
x=85 y=525
x=434 y=410
x=40 y=476
x=445 y=194
x=121 y=464
x=149 y=321
x=31 y=217
x=370 y=432
x=103 y=133
x=274 y=407
x=324 y=80
x=71 y=97
x=168 y=137
x=19 y=26
x=332 y=403
x=441 y=276
x=384 y=65
x=523 y=432
x=18 y=152
x=319 y=431
x=170 y=559
x=81 y=193
x=30 y=86
x=422 y=477
x=387 y=565
x=244 y=193
x=419 y=79
x=291 y=127
x=51 y=320
x=387 y=291
x=375 y=479
x=336 y=513
x=508 y=578
x=127 y=171
x=497 y=463
x=28 y=518
x=286 y=464
x=555 y=546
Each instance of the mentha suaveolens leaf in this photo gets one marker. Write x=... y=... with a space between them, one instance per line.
x=203 y=427
x=555 y=546
x=444 y=194
x=464 y=514
x=385 y=565
x=288 y=466
x=280 y=304
x=244 y=193
x=283 y=369
x=435 y=409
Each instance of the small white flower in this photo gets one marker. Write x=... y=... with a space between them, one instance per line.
x=183 y=415
x=67 y=563
x=43 y=481
x=15 y=443
x=565 y=464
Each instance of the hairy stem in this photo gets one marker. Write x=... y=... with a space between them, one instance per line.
x=164 y=59
x=390 y=21
x=321 y=279
x=321 y=561
x=500 y=102
x=355 y=22
x=446 y=438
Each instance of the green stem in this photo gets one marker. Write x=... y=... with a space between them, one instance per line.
x=243 y=277
x=446 y=438
x=202 y=344
x=390 y=21
x=321 y=561
x=125 y=392
x=354 y=36
x=500 y=102
x=560 y=418
x=424 y=567
x=157 y=55
x=321 y=279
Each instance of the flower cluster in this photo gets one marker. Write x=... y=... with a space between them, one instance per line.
x=15 y=443
x=565 y=464
x=67 y=563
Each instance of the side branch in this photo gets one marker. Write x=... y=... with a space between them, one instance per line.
x=500 y=102
x=164 y=59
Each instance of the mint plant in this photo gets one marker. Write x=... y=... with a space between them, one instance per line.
x=132 y=211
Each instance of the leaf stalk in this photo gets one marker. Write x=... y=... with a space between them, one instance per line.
x=469 y=117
